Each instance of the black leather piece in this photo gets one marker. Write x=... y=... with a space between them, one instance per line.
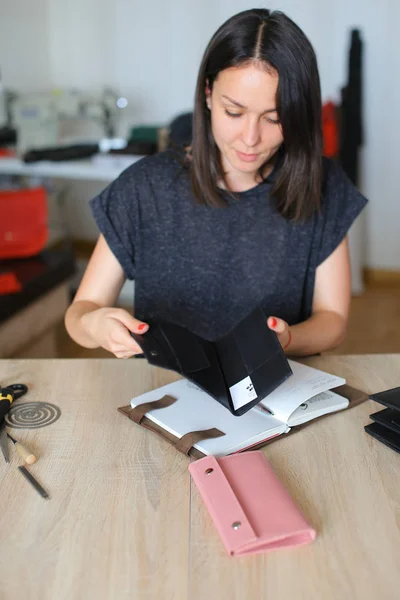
x=384 y=435
x=178 y=349
x=211 y=379
x=256 y=343
x=251 y=349
x=389 y=398
x=188 y=349
x=386 y=426
x=173 y=347
x=156 y=348
x=388 y=418
x=59 y=153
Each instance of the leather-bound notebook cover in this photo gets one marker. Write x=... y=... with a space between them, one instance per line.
x=385 y=435
x=185 y=443
x=389 y=398
x=386 y=428
x=238 y=370
x=250 y=507
x=389 y=418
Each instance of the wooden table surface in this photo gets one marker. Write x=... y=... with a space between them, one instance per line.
x=124 y=520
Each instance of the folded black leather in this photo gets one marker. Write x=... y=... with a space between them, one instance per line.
x=251 y=349
x=389 y=398
x=384 y=435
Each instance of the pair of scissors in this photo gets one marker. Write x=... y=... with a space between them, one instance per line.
x=7 y=396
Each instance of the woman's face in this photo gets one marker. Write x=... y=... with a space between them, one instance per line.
x=244 y=122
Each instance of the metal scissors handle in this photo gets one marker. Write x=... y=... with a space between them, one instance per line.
x=7 y=395
x=17 y=389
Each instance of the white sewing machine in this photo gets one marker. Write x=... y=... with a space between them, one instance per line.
x=43 y=119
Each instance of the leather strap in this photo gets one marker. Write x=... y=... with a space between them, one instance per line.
x=187 y=441
x=137 y=413
x=354 y=395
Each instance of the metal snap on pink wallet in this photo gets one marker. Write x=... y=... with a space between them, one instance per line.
x=251 y=509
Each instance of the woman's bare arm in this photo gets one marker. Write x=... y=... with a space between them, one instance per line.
x=92 y=320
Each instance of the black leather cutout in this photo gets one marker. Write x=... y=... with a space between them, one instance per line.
x=251 y=349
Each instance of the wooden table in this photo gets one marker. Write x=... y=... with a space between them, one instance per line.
x=124 y=520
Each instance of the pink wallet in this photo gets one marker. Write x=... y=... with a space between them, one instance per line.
x=251 y=509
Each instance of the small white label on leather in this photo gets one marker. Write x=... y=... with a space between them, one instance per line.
x=243 y=392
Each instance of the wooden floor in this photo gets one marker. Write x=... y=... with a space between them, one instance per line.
x=374 y=327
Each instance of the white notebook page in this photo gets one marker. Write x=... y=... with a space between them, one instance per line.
x=305 y=383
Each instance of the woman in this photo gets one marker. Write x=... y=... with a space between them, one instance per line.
x=254 y=217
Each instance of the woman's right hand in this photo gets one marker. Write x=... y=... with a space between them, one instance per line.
x=110 y=328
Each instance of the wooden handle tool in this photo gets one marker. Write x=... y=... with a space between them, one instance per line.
x=24 y=453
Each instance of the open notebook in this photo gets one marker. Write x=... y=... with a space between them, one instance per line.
x=304 y=396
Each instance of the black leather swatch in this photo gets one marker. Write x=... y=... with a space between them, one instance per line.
x=389 y=398
x=388 y=418
x=384 y=435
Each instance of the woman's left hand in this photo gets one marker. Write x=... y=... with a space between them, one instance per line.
x=281 y=329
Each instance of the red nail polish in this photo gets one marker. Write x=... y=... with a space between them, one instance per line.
x=273 y=322
x=141 y=326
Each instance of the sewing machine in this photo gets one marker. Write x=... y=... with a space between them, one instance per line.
x=42 y=120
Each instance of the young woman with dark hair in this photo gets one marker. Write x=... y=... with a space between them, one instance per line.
x=277 y=53
x=250 y=215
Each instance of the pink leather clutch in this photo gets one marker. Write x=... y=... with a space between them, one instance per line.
x=250 y=507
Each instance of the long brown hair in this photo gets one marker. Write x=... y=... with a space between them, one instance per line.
x=273 y=38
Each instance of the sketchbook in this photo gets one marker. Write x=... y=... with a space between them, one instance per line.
x=191 y=419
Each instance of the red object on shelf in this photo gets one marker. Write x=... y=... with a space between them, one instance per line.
x=23 y=222
x=330 y=130
x=9 y=284
x=7 y=153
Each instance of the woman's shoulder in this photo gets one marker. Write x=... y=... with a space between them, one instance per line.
x=337 y=187
x=156 y=169
x=332 y=172
x=150 y=177
x=334 y=177
x=341 y=200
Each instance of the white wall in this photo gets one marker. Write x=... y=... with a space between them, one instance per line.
x=151 y=52
x=24 y=47
x=379 y=177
